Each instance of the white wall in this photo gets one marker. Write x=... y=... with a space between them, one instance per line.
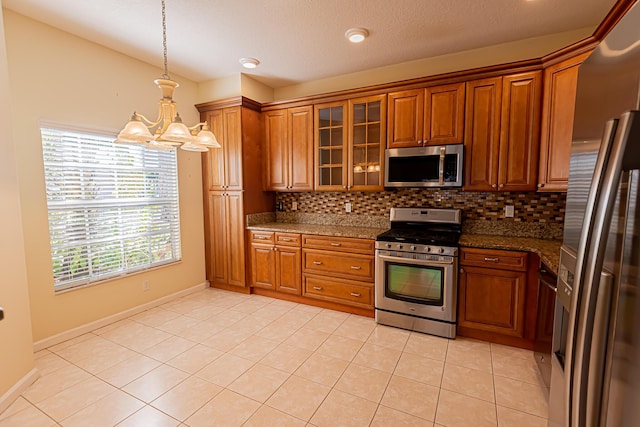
x=16 y=356
x=62 y=78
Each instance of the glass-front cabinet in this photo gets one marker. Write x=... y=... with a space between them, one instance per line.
x=350 y=142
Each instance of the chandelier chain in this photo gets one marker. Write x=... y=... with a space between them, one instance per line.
x=164 y=42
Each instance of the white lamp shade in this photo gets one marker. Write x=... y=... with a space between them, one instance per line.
x=134 y=132
x=177 y=132
x=159 y=145
x=190 y=146
x=206 y=138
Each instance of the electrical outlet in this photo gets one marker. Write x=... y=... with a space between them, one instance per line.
x=146 y=285
x=347 y=207
x=294 y=206
x=509 y=211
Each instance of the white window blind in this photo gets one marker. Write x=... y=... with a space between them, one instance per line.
x=113 y=208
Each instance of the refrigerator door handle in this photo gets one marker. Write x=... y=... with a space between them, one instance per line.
x=586 y=365
x=576 y=333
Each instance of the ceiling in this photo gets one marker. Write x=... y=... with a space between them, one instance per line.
x=303 y=40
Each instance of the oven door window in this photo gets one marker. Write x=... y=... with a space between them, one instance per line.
x=414 y=283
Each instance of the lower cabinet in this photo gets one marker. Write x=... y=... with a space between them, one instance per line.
x=275 y=261
x=494 y=296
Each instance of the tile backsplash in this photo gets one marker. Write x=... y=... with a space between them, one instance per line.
x=540 y=214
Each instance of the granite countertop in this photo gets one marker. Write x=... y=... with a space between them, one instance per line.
x=548 y=250
x=318 y=229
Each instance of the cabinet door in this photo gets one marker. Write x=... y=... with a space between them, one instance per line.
x=276 y=155
x=288 y=270
x=366 y=143
x=213 y=159
x=558 y=107
x=233 y=147
x=263 y=266
x=444 y=114
x=406 y=118
x=331 y=146
x=300 y=158
x=482 y=134
x=235 y=230
x=519 y=132
x=218 y=238
x=492 y=300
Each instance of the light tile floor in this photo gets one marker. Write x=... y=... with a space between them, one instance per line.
x=217 y=358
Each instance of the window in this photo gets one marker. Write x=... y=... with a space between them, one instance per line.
x=113 y=208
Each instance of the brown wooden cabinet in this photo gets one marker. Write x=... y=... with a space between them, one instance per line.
x=558 y=107
x=276 y=261
x=338 y=269
x=232 y=182
x=289 y=149
x=492 y=290
x=349 y=144
x=501 y=133
x=431 y=116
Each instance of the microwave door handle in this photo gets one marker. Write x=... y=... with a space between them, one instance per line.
x=441 y=167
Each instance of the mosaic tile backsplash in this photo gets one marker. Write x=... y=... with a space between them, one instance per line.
x=536 y=214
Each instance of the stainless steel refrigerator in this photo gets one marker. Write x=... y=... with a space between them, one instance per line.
x=595 y=378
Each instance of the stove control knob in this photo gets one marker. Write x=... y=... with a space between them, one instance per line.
x=388 y=245
x=440 y=250
x=399 y=246
x=413 y=247
x=427 y=248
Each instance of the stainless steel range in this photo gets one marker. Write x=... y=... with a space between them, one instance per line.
x=417 y=271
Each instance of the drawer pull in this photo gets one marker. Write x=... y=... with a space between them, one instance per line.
x=491 y=259
x=336 y=244
x=317 y=288
x=355 y=294
x=286 y=239
x=356 y=267
x=261 y=237
x=317 y=262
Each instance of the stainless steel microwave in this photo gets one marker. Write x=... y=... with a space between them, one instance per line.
x=431 y=166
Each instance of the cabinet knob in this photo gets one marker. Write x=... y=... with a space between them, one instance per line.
x=493 y=185
x=540 y=185
x=317 y=288
x=420 y=142
x=461 y=270
x=355 y=294
x=275 y=249
x=344 y=186
x=501 y=185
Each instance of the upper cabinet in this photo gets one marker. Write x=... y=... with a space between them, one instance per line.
x=558 y=105
x=223 y=168
x=349 y=144
x=501 y=133
x=431 y=116
x=289 y=149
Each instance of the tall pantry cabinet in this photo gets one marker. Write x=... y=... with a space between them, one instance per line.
x=232 y=188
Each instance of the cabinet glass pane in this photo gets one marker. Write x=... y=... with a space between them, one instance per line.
x=359 y=113
x=325 y=157
x=373 y=133
x=325 y=137
x=325 y=176
x=359 y=156
x=373 y=178
x=358 y=178
x=336 y=116
x=359 y=134
x=336 y=176
x=336 y=137
x=336 y=156
x=373 y=155
x=374 y=111
x=325 y=117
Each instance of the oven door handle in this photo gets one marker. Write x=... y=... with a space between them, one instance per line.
x=413 y=261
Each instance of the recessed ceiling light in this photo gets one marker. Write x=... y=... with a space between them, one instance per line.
x=249 y=62
x=356 y=35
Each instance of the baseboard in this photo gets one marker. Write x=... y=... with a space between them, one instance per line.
x=88 y=327
x=14 y=392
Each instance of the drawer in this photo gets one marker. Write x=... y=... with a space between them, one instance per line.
x=262 y=236
x=341 y=244
x=337 y=290
x=505 y=260
x=349 y=266
x=288 y=239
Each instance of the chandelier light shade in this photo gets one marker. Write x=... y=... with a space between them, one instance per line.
x=168 y=130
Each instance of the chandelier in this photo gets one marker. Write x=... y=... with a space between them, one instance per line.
x=169 y=131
